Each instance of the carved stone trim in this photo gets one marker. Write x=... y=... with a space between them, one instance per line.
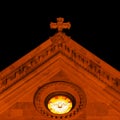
x=60 y=86
x=59 y=45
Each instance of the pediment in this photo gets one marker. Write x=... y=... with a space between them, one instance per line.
x=60 y=43
x=61 y=59
x=22 y=93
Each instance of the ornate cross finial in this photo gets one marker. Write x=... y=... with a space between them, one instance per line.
x=60 y=25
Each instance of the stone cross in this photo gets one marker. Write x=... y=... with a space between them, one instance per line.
x=60 y=25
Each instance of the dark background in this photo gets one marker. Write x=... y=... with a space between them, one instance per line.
x=22 y=31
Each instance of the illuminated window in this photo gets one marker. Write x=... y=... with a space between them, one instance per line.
x=60 y=104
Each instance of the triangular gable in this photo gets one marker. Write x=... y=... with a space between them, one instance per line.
x=59 y=68
x=60 y=60
x=64 y=44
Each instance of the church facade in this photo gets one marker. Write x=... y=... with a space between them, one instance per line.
x=60 y=80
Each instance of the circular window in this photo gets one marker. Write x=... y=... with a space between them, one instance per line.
x=60 y=103
x=60 y=100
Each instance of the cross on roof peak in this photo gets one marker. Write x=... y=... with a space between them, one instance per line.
x=60 y=25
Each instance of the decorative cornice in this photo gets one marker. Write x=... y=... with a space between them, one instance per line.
x=59 y=44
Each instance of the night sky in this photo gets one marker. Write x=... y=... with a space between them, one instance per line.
x=22 y=33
